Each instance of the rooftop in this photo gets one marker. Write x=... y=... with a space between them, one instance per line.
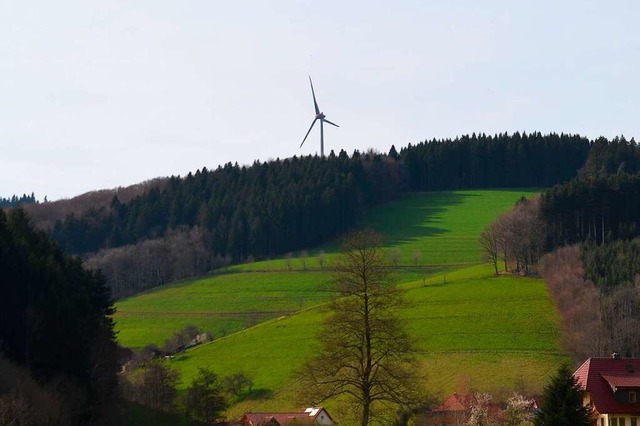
x=601 y=377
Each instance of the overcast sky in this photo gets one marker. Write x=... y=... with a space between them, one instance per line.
x=100 y=94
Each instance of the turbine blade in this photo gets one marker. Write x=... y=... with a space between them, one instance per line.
x=327 y=121
x=308 y=131
x=315 y=104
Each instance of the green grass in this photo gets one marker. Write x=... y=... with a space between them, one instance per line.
x=221 y=304
x=498 y=331
x=443 y=227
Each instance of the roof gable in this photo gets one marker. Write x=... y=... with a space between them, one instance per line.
x=306 y=416
x=454 y=402
x=602 y=377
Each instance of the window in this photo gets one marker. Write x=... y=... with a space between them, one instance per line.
x=632 y=396
x=634 y=421
x=613 y=421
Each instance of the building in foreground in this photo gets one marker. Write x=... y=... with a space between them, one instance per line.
x=612 y=388
x=313 y=416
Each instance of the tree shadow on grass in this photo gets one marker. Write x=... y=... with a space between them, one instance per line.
x=180 y=358
x=415 y=216
x=256 y=394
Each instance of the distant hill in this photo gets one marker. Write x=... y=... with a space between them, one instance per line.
x=267 y=209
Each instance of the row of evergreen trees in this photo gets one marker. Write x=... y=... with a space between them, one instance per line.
x=597 y=208
x=285 y=205
x=267 y=208
x=15 y=201
x=500 y=161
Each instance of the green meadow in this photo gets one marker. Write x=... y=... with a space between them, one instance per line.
x=498 y=332
x=441 y=227
x=221 y=304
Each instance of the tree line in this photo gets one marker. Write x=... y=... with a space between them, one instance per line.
x=284 y=205
x=264 y=209
x=598 y=205
x=597 y=319
x=515 y=239
x=599 y=208
x=268 y=209
x=15 y=201
x=183 y=227
x=499 y=161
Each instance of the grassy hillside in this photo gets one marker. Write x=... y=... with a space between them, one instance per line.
x=498 y=331
x=441 y=226
x=221 y=304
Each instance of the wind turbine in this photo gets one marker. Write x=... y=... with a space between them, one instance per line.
x=319 y=116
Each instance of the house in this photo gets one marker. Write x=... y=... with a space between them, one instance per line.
x=456 y=409
x=452 y=412
x=612 y=388
x=315 y=416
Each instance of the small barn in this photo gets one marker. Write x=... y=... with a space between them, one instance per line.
x=313 y=416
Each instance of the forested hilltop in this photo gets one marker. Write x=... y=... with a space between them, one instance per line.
x=589 y=228
x=183 y=226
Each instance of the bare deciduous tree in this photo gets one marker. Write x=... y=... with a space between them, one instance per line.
x=577 y=301
x=250 y=260
x=394 y=256
x=489 y=242
x=322 y=258
x=416 y=256
x=154 y=386
x=367 y=356
x=303 y=258
x=517 y=235
x=287 y=260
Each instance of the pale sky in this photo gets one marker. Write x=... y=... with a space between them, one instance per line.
x=100 y=94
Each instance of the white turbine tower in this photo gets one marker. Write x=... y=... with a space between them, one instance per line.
x=319 y=116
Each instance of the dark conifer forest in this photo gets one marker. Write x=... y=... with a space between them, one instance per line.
x=55 y=324
x=15 y=201
x=284 y=205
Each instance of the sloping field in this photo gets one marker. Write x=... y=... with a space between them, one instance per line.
x=497 y=331
x=221 y=304
x=440 y=227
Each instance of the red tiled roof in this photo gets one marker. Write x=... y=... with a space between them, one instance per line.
x=628 y=381
x=258 y=419
x=597 y=376
x=453 y=403
x=305 y=416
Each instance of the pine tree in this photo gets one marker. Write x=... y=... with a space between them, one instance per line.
x=562 y=402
